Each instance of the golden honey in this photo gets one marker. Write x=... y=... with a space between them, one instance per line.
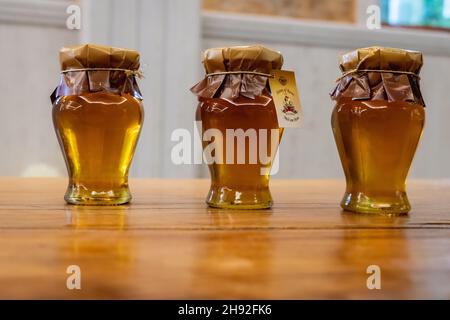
x=98 y=115
x=377 y=123
x=98 y=133
x=241 y=185
x=377 y=141
x=234 y=97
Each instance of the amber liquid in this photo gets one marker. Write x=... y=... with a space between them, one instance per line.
x=377 y=141
x=98 y=133
x=237 y=185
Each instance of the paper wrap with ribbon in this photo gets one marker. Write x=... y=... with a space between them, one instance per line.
x=237 y=71
x=378 y=73
x=93 y=68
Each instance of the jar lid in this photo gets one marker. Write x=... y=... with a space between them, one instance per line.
x=380 y=58
x=242 y=58
x=97 y=56
x=237 y=71
x=378 y=73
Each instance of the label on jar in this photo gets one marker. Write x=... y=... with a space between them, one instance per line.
x=286 y=98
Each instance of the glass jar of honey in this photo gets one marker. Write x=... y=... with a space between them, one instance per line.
x=236 y=112
x=377 y=124
x=97 y=115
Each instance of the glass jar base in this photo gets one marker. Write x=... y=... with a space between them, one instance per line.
x=227 y=198
x=92 y=198
x=228 y=205
x=97 y=201
x=362 y=204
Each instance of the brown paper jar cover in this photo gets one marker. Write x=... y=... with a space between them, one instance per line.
x=98 y=56
x=93 y=56
x=254 y=58
x=397 y=79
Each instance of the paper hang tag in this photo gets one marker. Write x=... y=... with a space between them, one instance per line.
x=286 y=98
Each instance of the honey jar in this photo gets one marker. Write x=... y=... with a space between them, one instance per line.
x=377 y=123
x=236 y=110
x=98 y=115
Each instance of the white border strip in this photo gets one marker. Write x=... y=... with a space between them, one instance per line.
x=311 y=33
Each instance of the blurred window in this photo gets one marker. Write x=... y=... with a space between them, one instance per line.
x=416 y=13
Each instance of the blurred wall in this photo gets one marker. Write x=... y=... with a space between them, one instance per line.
x=170 y=35
x=30 y=37
x=330 y=10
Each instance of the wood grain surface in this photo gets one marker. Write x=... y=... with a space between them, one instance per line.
x=169 y=244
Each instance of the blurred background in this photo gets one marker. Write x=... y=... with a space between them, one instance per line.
x=171 y=34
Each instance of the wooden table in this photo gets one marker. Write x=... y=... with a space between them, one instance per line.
x=168 y=244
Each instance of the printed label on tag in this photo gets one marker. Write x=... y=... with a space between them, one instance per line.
x=286 y=98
